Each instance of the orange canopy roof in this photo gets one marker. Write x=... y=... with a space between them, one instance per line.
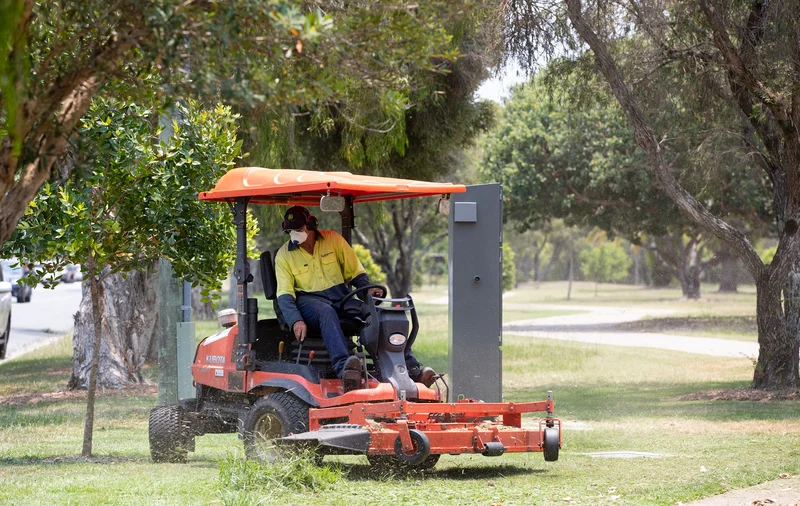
x=305 y=187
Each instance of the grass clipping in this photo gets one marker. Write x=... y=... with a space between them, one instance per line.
x=296 y=472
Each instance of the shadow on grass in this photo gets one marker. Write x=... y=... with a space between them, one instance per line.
x=134 y=458
x=59 y=460
x=361 y=472
x=634 y=400
x=34 y=375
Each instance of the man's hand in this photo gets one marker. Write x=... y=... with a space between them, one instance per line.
x=376 y=292
x=300 y=330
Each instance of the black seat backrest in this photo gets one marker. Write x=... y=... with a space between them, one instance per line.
x=268 y=279
x=267 y=269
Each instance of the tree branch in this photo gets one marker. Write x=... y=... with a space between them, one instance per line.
x=436 y=240
x=647 y=141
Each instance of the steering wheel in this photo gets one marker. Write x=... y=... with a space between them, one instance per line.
x=360 y=290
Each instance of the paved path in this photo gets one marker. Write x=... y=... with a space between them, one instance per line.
x=782 y=492
x=48 y=316
x=597 y=325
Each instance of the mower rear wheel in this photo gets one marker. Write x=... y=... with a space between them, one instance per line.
x=274 y=416
x=170 y=438
x=550 y=444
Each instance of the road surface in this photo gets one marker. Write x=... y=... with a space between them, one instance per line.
x=48 y=316
x=598 y=325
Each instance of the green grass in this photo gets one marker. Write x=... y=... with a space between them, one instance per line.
x=711 y=303
x=628 y=399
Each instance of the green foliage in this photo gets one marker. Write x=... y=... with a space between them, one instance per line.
x=606 y=263
x=360 y=59
x=137 y=199
x=509 y=268
x=768 y=254
x=582 y=164
x=376 y=275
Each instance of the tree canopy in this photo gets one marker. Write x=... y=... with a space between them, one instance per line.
x=688 y=59
x=358 y=57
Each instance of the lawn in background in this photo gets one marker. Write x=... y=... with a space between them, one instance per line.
x=610 y=398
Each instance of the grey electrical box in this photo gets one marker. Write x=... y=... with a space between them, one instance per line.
x=466 y=212
x=476 y=311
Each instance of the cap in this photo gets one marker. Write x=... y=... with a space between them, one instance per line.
x=295 y=217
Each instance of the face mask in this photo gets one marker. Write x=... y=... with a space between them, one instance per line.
x=298 y=237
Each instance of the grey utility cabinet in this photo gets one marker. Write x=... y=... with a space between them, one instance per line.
x=476 y=309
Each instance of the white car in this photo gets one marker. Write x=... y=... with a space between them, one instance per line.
x=5 y=314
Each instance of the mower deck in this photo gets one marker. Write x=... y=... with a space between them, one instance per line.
x=404 y=428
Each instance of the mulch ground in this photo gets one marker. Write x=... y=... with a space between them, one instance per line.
x=739 y=324
x=743 y=394
x=29 y=399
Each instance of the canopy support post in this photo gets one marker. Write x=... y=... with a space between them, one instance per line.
x=348 y=219
x=241 y=354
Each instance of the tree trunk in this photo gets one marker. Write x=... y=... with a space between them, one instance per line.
x=728 y=281
x=557 y=247
x=690 y=283
x=400 y=280
x=394 y=244
x=778 y=344
x=128 y=332
x=569 y=276
x=97 y=322
x=201 y=310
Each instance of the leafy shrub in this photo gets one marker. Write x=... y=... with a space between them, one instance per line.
x=376 y=275
x=509 y=269
x=606 y=263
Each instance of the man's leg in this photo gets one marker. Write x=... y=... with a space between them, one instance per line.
x=411 y=360
x=417 y=373
x=322 y=317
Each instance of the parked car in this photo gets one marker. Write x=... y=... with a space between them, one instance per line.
x=13 y=271
x=72 y=273
x=5 y=314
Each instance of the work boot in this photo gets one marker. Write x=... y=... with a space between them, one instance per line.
x=351 y=374
x=425 y=375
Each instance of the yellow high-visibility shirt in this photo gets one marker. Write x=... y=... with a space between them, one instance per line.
x=333 y=263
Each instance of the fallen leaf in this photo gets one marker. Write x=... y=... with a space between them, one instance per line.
x=784 y=476
x=611 y=490
x=490 y=483
x=299 y=46
x=569 y=500
x=703 y=469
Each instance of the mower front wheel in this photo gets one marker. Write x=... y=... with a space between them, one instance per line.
x=421 y=448
x=170 y=438
x=551 y=444
x=274 y=416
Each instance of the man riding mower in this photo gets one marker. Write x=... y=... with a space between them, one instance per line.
x=300 y=379
x=313 y=269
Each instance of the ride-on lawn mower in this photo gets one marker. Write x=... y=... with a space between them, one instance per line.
x=254 y=378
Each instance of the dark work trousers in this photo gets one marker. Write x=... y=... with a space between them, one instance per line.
x=323 y=316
